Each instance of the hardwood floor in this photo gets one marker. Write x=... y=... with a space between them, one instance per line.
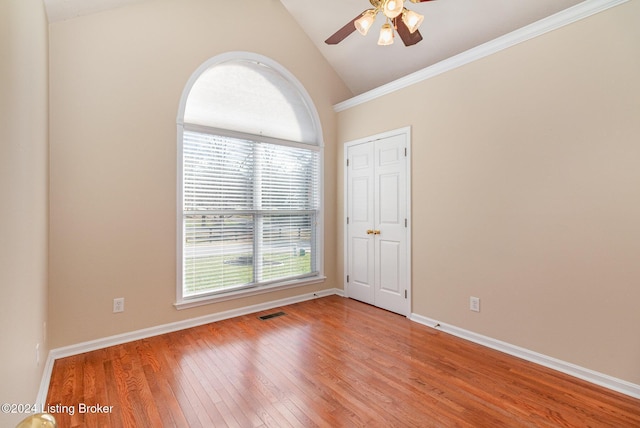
x=328 y=362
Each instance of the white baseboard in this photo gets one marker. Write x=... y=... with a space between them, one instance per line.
x=592 y=376
x=44 y=382
x=119 y=339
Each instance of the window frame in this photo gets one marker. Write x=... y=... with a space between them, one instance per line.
x=182 y=301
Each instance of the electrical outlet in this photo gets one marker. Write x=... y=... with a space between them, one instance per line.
x=474 y=304
x=118 y=305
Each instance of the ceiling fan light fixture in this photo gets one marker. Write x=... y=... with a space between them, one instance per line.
x=412 y=20
x=364 y=23
x=396 y=18
x=392 y=8
x=386 y=35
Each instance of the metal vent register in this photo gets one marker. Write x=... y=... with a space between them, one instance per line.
x=273 y=315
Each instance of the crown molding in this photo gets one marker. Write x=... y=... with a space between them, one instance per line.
x=538 y=28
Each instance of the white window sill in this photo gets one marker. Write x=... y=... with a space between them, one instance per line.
x=238 y=294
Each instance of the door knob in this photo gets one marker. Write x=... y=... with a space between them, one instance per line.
x=376 y=232
x=370 y=232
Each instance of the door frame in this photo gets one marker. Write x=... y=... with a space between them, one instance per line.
x=406 y=131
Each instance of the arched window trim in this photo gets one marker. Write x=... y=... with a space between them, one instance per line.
x=317 y=145
x=250 y=56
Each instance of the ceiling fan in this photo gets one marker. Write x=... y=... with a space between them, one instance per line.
x=404 y=21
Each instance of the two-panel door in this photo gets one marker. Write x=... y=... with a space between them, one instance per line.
x=377 y=230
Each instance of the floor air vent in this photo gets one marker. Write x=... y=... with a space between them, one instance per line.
x=276 y=314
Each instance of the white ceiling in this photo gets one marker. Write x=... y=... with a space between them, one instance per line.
x=449 y=28
x=59 y=10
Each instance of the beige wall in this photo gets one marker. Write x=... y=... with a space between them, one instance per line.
x=23 y=200
x=116 y=82
x=524 y=171
x=527 y=191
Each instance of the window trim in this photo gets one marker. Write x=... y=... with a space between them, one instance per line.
x=183 y=302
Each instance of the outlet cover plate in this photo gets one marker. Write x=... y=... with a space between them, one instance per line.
x=474 y=304
x=118 y=305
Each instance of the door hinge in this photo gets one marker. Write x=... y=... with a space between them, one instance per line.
x=347 y=278
x=405 y=152
x=405 y=294
x=347 y=162
x=347 y=220
x=405 y=222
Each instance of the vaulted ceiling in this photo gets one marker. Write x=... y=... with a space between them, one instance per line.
x=450 y=27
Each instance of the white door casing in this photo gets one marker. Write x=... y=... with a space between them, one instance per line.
x=377 y=248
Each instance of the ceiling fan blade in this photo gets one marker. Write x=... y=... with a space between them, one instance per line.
x=342 y=33
x=408 y=38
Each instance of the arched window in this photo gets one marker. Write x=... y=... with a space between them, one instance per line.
x=250 y=155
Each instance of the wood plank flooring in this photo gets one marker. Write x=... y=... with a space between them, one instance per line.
x=330 y=362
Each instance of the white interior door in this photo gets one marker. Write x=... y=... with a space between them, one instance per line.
x=377 y=229
x=360 y=218
x=390 y=252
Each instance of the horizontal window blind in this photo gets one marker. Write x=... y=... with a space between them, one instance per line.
x=250 y=212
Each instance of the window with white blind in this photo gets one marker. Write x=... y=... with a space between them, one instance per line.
x=250 y=181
